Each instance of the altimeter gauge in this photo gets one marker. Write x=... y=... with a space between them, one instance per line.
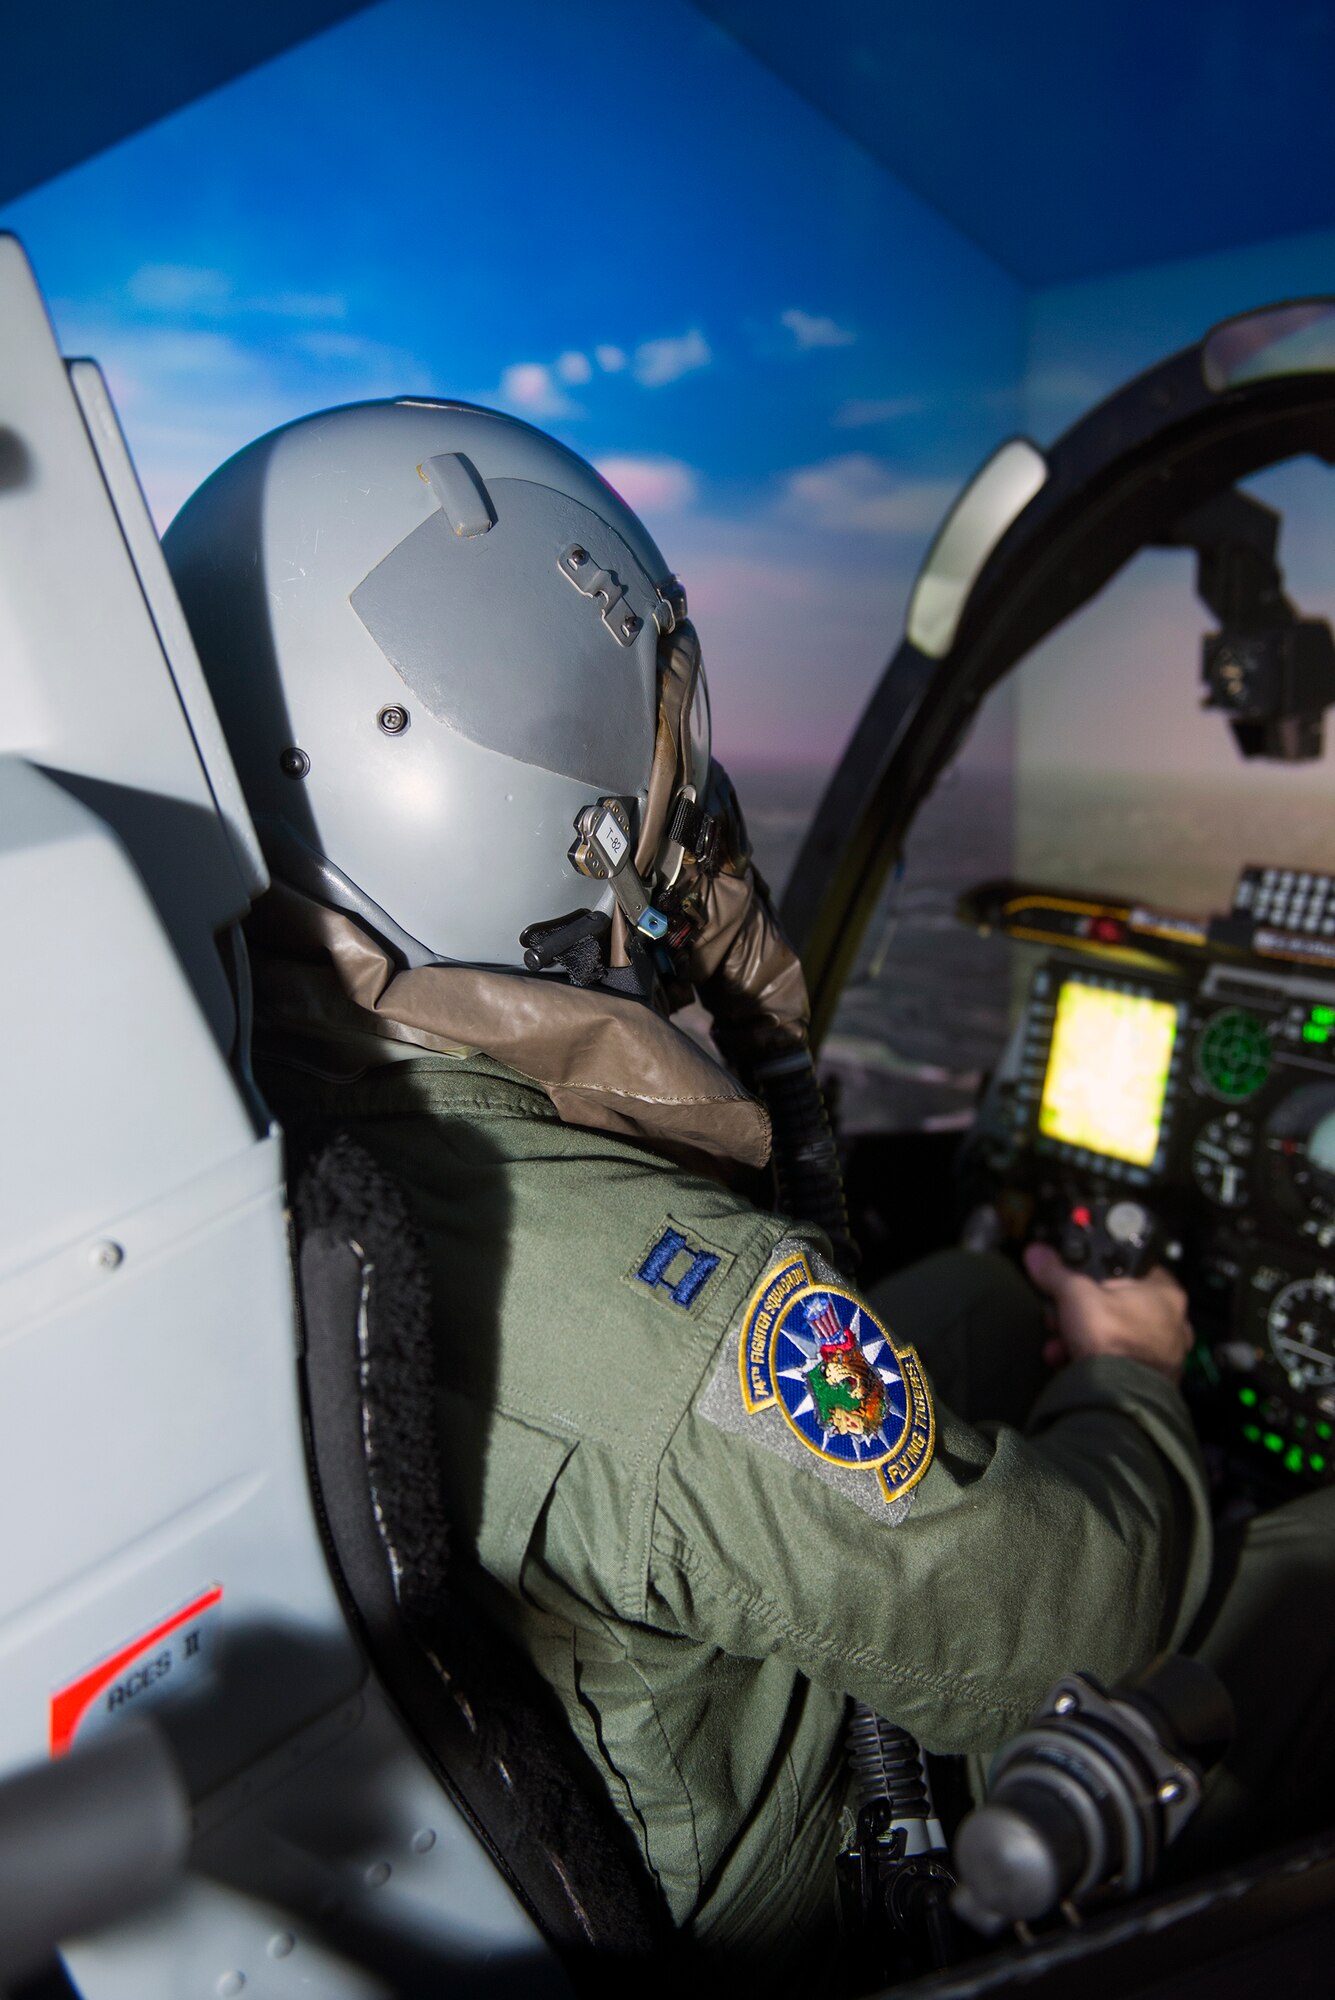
x=1301 y=1326
x=1220 y=1158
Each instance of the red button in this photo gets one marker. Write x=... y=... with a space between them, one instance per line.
x=1107 y=930
x=1081 y=1217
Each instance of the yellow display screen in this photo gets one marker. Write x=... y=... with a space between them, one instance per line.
x=1108 y=1071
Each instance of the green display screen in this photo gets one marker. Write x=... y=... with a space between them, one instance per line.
x=1107 y=1072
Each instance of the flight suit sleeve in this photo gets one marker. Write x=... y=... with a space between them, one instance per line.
x=948 y=1588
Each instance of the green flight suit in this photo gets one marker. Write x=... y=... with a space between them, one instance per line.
x=701 y=1589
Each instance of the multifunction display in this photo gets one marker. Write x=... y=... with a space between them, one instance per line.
x=1101 y=1068
x=1108 y=1070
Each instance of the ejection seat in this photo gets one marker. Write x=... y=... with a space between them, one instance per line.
x=220 y=1511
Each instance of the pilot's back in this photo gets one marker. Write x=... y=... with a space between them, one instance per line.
x=583 y=1290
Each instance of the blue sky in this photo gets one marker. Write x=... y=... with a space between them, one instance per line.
x=609 y=220
x=614 y=222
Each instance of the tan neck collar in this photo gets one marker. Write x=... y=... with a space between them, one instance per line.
x=604 y=1061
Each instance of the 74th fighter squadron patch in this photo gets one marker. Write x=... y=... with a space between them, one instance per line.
x=824 y=1362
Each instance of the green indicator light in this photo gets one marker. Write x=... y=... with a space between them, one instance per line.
x=1293 y=1459
x=1247 y=1397
x=1316 y=1461
x=1252 y=1433
x=1322 y=1430
x=1273 y=1441
x=1315 y=1034
x=1325 y=1016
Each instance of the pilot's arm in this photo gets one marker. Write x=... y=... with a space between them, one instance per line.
x=1083 y=1542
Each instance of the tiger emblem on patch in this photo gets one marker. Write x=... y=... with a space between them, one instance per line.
x=822 y=1361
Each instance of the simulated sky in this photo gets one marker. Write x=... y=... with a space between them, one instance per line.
x=608 y=220
x=614 y=222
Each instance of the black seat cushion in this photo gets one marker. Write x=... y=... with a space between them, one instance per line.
x=484 y=1719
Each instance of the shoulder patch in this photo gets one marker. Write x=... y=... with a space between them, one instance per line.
x=815 y=1358
x=677 y=1265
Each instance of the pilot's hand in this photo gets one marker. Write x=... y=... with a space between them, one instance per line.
x=1143 y=1318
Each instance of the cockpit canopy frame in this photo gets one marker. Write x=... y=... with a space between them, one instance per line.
x=1019 y=554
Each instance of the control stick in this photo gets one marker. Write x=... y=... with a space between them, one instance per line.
x=1084 y=1801
x=1110 y=1239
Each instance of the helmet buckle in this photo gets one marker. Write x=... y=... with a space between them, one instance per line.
x=603 y=853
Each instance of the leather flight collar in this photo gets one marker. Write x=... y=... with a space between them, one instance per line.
x=605 y=1062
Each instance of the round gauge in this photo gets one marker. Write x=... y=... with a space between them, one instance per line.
x=1301 y=1325
x=1220 y=1156
x=1233 y=1054
x=1300 y=1154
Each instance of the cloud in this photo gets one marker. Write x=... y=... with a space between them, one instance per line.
x=141 y=365
x=649 y=485
x=660 y=361
x=180 y=288
x=860 y=414
x=327 y=344
x=530 y=386
x=538 y=388
x=815 y=330
x=858 y=492
x=352 y=365
x=207 y=292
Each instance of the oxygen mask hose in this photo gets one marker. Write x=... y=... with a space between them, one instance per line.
x=808 y=1175
x=887 y=1764
x=895 y=1883
x=750 y=979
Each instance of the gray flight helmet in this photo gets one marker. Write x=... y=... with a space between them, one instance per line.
x=433 y=637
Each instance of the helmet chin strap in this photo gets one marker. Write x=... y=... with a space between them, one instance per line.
x=671 y=778
x=639 y=870
x=689 y=898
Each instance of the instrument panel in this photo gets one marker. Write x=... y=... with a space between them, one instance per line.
x=1205 y=1091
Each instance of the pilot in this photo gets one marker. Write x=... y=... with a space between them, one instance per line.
x=721 y=1491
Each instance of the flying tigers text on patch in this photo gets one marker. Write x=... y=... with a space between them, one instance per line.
x=819 y=1359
